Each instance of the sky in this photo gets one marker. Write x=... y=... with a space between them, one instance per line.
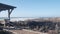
x=33 y=8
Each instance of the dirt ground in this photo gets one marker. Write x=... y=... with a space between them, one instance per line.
x=26 y=32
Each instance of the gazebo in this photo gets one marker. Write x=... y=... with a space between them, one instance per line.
x=4 y=7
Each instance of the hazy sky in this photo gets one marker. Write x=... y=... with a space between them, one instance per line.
x=33 y=8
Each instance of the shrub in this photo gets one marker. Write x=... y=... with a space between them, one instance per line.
x=5 y=32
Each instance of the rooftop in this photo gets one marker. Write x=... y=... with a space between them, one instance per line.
x=5 y=7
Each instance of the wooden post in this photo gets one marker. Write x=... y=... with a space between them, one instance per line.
x=9 y=13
